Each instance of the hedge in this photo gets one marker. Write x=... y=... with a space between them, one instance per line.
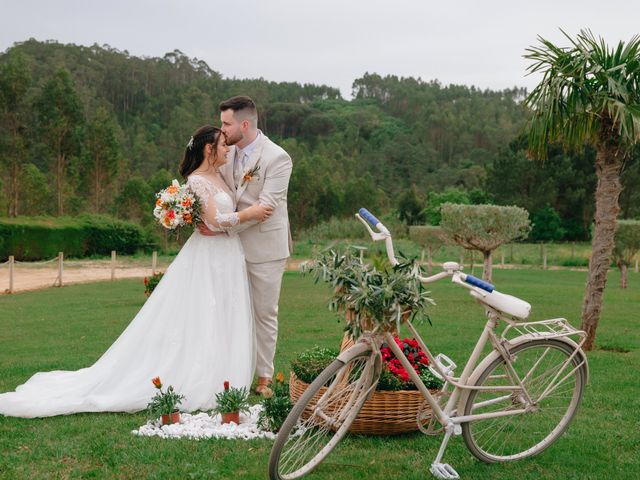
x=41 y=238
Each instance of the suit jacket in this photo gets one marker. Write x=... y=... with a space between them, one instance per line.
x=269 y=240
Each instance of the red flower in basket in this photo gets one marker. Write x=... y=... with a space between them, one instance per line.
x=411 y=349
x=226 y=384
x=156 y=382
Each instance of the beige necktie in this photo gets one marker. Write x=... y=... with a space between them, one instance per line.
x=240 y=162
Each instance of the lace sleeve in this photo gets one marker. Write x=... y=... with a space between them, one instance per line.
x=212 y=217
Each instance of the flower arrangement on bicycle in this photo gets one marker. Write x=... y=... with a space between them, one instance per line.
x=375 y=299
x=400 y=378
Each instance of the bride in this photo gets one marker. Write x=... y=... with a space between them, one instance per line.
x=195 y=331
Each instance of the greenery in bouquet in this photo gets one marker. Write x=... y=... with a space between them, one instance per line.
x=276 y=405
x=176 y=206
x=151 y=282
x=380 y=294
x=163 y=402
x=232 y=400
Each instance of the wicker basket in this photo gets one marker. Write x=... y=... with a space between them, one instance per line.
x=385 y=413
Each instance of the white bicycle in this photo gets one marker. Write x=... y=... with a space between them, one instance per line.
x=511 y=404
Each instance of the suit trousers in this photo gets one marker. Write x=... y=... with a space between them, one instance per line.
x=265 y=280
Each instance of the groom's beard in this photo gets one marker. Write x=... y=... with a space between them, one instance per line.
x=233 y=139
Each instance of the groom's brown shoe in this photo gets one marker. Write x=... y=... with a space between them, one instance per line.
x=263 y=384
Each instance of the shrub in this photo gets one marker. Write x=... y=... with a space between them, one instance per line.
x=39 y=238
x=311 y=363
x=151 y=282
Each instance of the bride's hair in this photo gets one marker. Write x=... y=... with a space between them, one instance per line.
x=194 y=153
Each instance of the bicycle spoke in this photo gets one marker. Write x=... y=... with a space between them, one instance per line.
x=553 y=381
x=319 y=423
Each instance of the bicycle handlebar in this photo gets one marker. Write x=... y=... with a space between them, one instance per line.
x=476 y=282
x=369 y=217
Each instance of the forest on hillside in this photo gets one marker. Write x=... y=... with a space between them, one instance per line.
x=94 y=129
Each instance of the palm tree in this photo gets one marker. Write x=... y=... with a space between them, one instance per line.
x=589 y=94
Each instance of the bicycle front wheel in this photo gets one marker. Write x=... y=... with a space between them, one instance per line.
x=322 y=416
x=553 y=382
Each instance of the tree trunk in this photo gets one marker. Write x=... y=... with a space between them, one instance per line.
x=60 y=182
x=608 y=166
x=14 y=189
x=486 y=270
x=623 y=275
x=97 y=185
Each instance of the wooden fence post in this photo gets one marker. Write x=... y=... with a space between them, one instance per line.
x=636 y=264
x=60 y=268
x=113 y=265
x=154 y=262
x=11 y=262
x=502 y=259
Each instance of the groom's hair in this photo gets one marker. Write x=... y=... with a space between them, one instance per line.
x=243 y=109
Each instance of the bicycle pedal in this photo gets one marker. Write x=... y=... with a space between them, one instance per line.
x=443 y=471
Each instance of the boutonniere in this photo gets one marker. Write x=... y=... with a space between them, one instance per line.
x=248 y=175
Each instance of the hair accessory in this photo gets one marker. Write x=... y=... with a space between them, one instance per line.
x=190 y=144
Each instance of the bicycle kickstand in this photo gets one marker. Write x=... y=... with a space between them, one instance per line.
x=440 y=470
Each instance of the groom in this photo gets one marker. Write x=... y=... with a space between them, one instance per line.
x=258 y=170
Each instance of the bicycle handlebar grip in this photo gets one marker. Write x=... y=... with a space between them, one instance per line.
x=364 y=213
x=476 y=282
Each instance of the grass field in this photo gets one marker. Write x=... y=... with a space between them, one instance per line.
x=69 y=328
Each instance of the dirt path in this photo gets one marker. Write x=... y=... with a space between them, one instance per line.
x=37 y=275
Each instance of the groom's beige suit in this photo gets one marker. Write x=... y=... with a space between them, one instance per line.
x=266 y=244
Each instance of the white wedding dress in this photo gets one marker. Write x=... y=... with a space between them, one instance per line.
x=195 y=331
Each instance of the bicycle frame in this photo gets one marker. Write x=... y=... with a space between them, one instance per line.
x=447 y=414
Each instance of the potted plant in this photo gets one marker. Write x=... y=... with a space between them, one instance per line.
x=165 y=404
x=230 y=402
x=375 y=298
x=276 y=405
x=150 y=283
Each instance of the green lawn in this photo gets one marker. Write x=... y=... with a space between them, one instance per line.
x=69 y=328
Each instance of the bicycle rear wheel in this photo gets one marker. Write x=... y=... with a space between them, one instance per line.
x=322 y=415
x=554 y=396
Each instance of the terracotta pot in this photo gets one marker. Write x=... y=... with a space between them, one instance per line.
x=170 y=418
x=231 y=417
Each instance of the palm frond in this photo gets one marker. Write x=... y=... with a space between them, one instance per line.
x=584 y=85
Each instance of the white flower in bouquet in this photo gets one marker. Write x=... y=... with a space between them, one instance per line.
x=176 y=206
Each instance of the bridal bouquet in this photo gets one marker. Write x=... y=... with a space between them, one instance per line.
x=176 y=206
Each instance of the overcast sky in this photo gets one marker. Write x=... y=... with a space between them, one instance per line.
x=331 y=42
